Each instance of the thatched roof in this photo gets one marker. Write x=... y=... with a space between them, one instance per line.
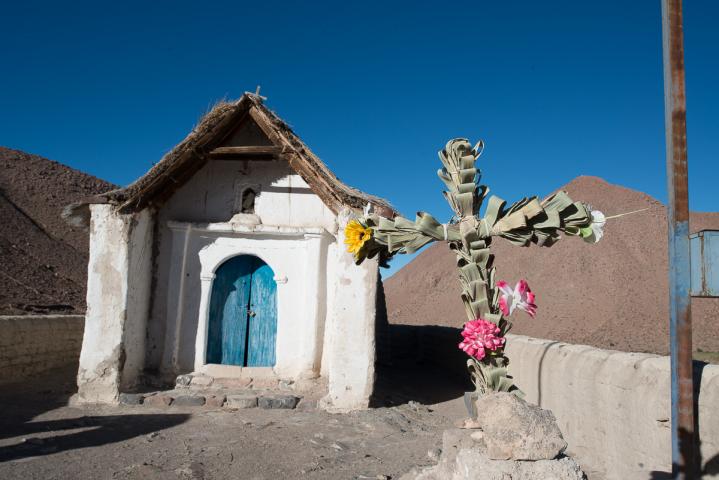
x=183 y=161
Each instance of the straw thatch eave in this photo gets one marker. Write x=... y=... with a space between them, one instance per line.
x=185 y=159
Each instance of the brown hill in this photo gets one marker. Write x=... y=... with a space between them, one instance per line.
x=44 y=260
x=610 y=295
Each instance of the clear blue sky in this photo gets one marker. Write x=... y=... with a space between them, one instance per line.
x=556 y=89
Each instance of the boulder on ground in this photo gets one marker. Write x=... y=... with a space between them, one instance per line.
x=512 y=429
x=511 y=440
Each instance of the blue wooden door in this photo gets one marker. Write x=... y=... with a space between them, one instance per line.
x=262 y=326
x=243 y=314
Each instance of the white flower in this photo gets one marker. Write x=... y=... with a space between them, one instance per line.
x=521 y=297
x=595 y=231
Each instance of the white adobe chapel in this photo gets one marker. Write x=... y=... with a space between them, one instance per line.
x=228 y=255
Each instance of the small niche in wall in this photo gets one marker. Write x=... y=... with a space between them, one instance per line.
x=247 y=200
x=245 y=207
x=246 y=195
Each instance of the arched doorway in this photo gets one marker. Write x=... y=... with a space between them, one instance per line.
x=242 y=327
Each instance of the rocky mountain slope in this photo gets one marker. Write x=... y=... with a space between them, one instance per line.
x=44 y=260
x=610 y=295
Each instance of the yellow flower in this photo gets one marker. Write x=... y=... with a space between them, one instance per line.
x=356 y=235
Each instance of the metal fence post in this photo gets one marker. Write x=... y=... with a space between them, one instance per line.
x=683 y=443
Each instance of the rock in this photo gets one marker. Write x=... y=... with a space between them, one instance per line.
x=286 y=384
x=454 y=439
x=215 y=400
x=482 y=467
x=131 y=398
x=418 y=407
x=516 y=430
x=189 y=401
x=468 y=423
x=183 y=380
x=516 y=441
x=462 y=458
x=278 y=401
x=434 y=454
x=201 y=380
x=306 y=405
x=241 y=401
x=158 y=400
x=339 y=446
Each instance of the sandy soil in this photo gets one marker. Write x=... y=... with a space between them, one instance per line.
x=610 y=295
x=43 y=439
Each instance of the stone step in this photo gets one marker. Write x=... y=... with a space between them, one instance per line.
x=204 y=381
x=232 y=400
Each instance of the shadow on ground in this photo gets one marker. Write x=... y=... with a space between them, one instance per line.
x=24 y=435
x=420 y=363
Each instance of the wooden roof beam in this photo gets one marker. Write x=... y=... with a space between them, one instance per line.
x=245 y=152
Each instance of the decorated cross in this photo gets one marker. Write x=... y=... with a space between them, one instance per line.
x=488 y=302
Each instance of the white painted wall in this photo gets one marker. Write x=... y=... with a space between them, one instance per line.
x=612 y=407
x=117 y=303
x=194 y=226
x=330 y=291
x=296 y=256
x=139 y=276
x=213 y=196
x=326 y=304
x=351 y=347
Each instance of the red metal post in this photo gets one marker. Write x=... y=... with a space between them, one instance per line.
x=683 y=435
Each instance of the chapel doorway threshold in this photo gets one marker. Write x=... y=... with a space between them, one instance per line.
x=233 y=393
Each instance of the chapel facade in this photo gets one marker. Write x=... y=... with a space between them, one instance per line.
x=227 y=256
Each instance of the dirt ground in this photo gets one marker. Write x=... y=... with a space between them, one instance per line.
x=43 y=258
x=41 y=438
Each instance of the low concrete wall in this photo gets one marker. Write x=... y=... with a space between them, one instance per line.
x=613 y=407
x=33 y=344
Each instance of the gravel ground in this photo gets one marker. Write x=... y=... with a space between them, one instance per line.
x=44 y=439
x=44 y=260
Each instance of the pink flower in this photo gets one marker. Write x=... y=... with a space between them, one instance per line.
x=479 y=336
x=521 y=297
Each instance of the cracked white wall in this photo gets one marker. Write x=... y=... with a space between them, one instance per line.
x=118 y=292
